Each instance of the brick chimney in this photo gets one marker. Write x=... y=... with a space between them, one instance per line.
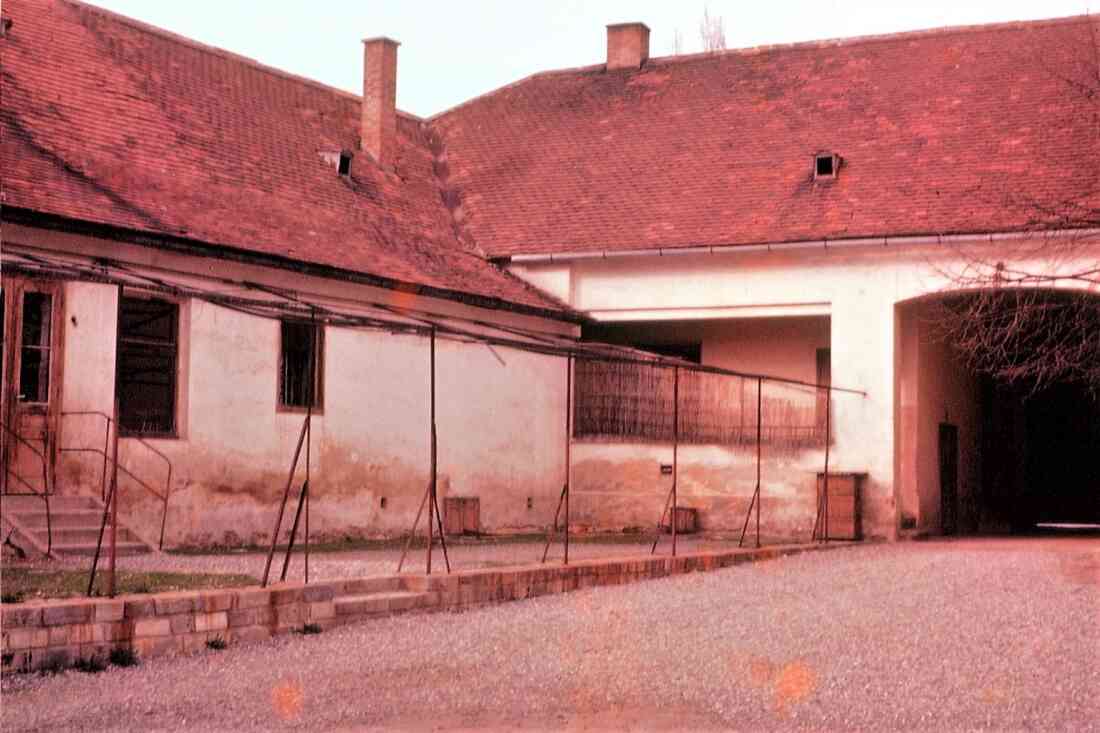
x=627 y=45
x=378 y=126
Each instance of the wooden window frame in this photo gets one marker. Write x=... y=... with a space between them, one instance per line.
x=47 y=370
x=173 y=433
x=319 y=369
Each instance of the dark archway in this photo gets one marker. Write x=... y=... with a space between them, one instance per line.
x=1024 y=447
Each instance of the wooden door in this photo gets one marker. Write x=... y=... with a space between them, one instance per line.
x=31 y=386
x=949 y=478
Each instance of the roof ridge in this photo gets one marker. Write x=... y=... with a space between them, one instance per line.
x=872 y=38
x=792 y=46
x=224 y=53
x=534 y=75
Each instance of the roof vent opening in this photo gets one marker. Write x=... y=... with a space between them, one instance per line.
x=338 y=159
x=826 y=166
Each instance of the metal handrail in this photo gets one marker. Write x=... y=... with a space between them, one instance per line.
x=138 y=480
x=45 y=493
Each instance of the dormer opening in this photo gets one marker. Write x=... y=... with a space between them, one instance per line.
x=343 y=166
x=826 y=166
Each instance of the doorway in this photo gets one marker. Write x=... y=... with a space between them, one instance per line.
x=30 y=330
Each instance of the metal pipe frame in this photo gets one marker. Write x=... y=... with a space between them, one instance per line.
x=672 y=497
x=282 y=506
x=564 y=498
x=755 y=501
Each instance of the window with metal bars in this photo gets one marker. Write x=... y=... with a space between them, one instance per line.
x=148 y=351
x=300 y=365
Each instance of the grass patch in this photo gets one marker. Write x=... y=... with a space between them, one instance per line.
x=632 y=536
x=29 y=583
x=216 y=644
x=123 y=657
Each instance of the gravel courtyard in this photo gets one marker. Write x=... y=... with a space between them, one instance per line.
x=977 y=634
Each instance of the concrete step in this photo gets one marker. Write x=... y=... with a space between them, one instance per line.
x=84 y=535
x=64 y=518
x=379 y=603
x=82 y=548
x=73 y=520
x=57 y=503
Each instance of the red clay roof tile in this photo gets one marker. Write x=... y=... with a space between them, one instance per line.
x=949 y=131
x=110 y=121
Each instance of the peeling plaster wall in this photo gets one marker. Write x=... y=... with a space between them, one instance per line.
x=501 y=416
x=618 y=486
x=857 y=288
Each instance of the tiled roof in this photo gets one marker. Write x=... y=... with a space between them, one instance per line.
x=941 y=132
x=110 y=121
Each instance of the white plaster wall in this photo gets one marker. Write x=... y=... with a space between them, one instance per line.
x=501 y=428
x=857 y=287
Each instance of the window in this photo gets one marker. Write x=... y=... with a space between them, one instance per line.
x=826 y=165
x=300 y=365
x=34 y=361
x=148 y=349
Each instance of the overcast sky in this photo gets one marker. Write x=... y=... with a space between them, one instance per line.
x=452 y=51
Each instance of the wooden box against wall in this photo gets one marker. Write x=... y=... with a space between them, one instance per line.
x=462 y=515
x=844 y=509
x=687 y=520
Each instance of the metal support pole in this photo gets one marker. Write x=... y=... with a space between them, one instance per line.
x=759 y=423
x=286 y=496
x=433 y=498
x=563 y=499
x=47 y=489
x=568 y=444
x=108 y=503
x=432 y=448
x=442 y=537
x=825 y=481
x=294 y=530
x=661 y=522
x=111 y=584
x=106 y=447
x=412 y=532
x=755 y=501
x=309 y=416
x=164 y=510
x=675 y=447
x=554 y=528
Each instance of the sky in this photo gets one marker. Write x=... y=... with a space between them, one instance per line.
x=455 y=50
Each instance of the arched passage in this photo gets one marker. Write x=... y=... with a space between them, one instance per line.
x=978 y=455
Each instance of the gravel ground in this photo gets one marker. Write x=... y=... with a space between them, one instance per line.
x=940 y=636
x=363 y=563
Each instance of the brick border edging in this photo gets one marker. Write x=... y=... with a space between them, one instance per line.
x=54 y=634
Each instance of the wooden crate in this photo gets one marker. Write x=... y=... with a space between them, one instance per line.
x=462 y=515
x=687 y=520
x=845 y=516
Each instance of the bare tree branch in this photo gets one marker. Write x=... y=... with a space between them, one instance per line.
x=712 y=32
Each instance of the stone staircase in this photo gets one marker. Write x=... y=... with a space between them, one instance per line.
x=74 y=521
x=379 y=597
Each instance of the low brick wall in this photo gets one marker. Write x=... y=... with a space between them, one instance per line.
x=54 y=634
